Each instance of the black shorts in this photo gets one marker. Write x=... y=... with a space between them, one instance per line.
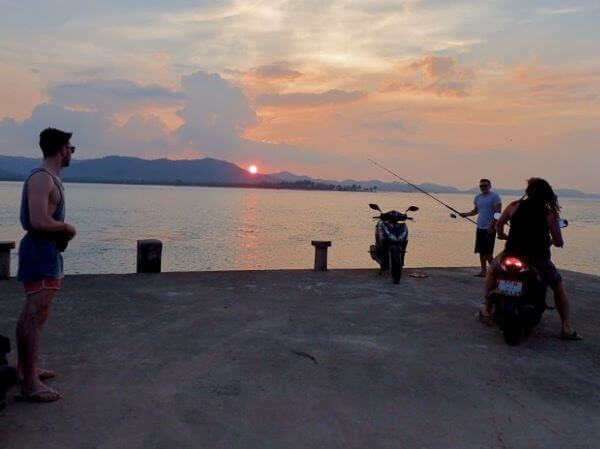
x=484 y=241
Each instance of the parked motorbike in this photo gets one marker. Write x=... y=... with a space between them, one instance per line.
x=519 y=301
x=391 y=239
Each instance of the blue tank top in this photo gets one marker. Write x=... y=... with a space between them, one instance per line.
x=59 y=213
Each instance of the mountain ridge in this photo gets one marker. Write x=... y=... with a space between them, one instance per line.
x=211 y=171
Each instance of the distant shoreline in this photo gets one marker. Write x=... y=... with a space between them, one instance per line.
x=210 y=172
x=290 y=186
x=272 y=186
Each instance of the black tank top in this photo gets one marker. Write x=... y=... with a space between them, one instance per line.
x=529 y=234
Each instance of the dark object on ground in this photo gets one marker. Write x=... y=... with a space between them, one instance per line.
x=149 y=253
x=304 y=354
x=4 y=349
x=8 y=375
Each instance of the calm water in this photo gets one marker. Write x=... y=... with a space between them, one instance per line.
x=230 y=229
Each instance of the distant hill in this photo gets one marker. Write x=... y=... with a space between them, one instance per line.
x=119 y=169
x=17 y=166
x=208 y=171
x=565 y=193
x=7 y=175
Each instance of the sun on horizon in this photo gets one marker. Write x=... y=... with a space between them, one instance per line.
x=253 y=169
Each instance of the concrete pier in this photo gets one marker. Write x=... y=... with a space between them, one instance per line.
x=303 y=359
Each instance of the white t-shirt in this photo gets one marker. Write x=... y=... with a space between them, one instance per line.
x=486 y=205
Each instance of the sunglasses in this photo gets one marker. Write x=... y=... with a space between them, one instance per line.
x=483 y=186
x=72 y=148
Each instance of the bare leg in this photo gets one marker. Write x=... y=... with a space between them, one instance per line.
x=490 y=285
x=482 y=260
x=33 y=316
x=563 y=306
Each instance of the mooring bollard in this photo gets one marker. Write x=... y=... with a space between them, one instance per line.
x=5 y=248
x=321 y=254
x=149 y=253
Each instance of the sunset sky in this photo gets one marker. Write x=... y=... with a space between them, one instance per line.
x=440 y=91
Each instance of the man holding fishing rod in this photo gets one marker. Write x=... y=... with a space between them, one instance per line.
x=487 y=203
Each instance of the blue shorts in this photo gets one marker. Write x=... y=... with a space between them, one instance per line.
x=39 y=259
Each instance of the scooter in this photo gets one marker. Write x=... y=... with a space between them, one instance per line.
x=519 y=301
x=391 y=239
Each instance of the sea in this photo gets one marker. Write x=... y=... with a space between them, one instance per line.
x=211 y=228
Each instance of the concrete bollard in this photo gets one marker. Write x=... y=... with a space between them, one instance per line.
x=321 y=254
x=5 y=248
x=149 y=253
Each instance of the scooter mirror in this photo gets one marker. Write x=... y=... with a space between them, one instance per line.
x=374 y=207
x=497 y=215
x=563 y=222
x=413 y=208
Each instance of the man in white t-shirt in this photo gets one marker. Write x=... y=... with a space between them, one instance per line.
x=487 y=203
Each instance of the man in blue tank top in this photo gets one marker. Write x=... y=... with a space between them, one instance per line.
x=487 y=203
x=40 y=258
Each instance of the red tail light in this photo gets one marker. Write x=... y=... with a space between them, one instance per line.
x=512 y=263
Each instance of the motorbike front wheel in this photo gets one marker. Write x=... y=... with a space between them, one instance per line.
x=396 y=260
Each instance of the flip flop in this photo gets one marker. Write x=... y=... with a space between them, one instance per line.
x=570 y=337
x=38 y=396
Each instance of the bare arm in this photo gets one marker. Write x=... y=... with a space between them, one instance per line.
x=475 y=211
x=498 y=209
x=510 y=209
x=555 y=231
x=39 y=189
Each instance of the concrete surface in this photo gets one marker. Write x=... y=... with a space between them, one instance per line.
x=221 y=360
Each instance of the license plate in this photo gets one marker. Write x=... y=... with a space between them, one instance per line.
x=511 y=288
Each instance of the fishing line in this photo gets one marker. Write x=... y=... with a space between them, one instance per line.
x=422 y=191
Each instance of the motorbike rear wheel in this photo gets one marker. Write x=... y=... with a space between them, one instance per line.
x=396 y=260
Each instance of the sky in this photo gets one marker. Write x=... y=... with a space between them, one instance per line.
x=439 y=91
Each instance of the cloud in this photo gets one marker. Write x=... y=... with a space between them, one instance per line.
x=112 y=95
x=274 y=71
x=435 y=66
x=542 y=85
x=559 y=11
x=434 y=75
x=303 y=99
x=215 y=113
x=386 y=124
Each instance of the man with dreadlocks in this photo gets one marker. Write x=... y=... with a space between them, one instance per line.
x=534 y=228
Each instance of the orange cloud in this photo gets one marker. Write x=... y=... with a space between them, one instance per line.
x=435 y=75
x=307 y=99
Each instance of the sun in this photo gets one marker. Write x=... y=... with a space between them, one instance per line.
x=252 y=169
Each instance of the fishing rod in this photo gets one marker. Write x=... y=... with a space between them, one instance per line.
x=423 y=191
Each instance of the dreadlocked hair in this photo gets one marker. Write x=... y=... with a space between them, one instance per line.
x=539 y=191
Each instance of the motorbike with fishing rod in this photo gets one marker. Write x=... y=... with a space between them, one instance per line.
x=519 y=301
x=391 y=233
